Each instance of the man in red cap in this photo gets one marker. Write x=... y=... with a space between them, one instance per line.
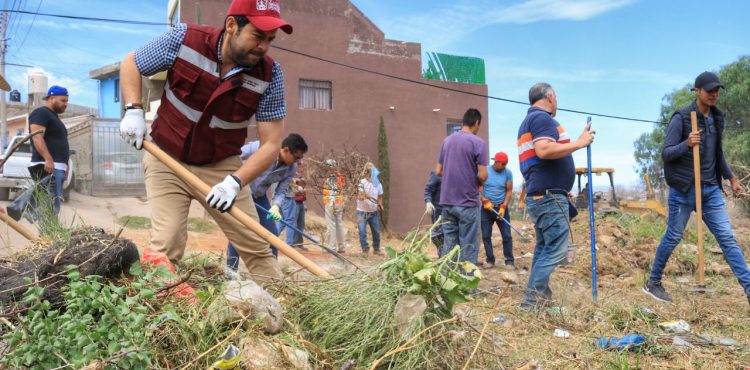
x=217 y=80
x=496 y=194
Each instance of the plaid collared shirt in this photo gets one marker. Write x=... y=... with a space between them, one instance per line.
x=160 y=53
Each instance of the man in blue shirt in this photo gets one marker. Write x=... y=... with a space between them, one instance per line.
x=680 y=176
x=544 y=151
x=496 y=194
x=293 y=149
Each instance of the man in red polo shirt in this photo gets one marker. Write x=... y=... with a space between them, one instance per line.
x=217 y=80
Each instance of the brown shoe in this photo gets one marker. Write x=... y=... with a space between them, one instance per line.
x=377 y=252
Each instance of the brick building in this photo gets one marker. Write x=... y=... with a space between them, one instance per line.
x=332 y=105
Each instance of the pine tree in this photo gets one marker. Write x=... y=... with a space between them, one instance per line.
x=384 y=167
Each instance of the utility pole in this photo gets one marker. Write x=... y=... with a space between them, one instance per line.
x=3 y=108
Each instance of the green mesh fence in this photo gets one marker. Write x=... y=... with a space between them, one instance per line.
x=454 y=68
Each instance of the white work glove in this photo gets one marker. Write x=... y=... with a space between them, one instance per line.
x=274 y=213
x=429 y=209
x=223 y=194
x=133 y=127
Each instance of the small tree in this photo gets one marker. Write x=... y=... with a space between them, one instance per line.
x=384 y=167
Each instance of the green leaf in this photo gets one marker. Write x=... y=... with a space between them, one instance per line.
x=425 y=274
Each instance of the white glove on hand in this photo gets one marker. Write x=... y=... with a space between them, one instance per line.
x=223 y=194
x=274 y=213
x=133 y=127
x=429 y=208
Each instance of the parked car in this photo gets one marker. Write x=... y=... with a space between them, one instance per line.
x=121 y=167
x=15 y=176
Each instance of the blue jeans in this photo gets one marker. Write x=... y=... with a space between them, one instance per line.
x=437 y=232
x=363 y=219
x=57 y=189
x=290 y=211
x=233 y=258
x=681 y=205
x=550 y=216
x=460 y=227
x=488 y=220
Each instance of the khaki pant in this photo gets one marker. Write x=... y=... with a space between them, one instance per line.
x=169 y=199
x=335 y=221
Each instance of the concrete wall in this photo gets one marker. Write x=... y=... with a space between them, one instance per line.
x=338 y=31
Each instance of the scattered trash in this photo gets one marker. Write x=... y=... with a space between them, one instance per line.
x=682 y=280
x=648 y=311
x=260 y=354
x=228 y=360
x=627 y=342
x=681 y=342
x=528 y=255
x=349 y=365
x=561 y=333
x=251 y=300
x=679 y=326
x=499 y=320
x=719 y=341
x=408 y=309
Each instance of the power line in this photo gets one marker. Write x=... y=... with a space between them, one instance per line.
x=23 y=41
x=123 y=21
x=110 y=20
x=452 y=89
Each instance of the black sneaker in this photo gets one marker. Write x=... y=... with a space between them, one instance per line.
x=656 y=291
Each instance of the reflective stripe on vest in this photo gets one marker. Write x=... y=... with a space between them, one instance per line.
x=194 y=115
x=193 y=57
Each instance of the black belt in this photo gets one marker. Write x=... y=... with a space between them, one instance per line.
x=545 y=192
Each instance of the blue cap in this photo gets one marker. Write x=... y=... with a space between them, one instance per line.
x=55 y=90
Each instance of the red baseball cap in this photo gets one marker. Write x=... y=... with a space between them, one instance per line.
x=265 y=15
x=501 y=157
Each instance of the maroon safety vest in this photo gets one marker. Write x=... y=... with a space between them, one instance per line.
x=202 y=119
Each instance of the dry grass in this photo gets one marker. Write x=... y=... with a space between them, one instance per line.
x=623 y=267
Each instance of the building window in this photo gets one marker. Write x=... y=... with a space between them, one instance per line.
x=117 y=90
x=315 y=94
x=452 y=126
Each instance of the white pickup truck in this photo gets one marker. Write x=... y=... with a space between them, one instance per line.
x=15 y=176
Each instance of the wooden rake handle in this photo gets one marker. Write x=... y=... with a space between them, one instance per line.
x=18 y=227
x=698 y=202
x=203 y=188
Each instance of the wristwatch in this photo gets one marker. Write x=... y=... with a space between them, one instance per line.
x=133 y=106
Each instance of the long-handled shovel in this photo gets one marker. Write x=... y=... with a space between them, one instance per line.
x=701 y=287
x=310 y=237
x=240 y=216
x=18 y=227
x=592 y=224
x=497 y=215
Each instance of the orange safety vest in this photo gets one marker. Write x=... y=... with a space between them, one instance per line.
x=333 y=189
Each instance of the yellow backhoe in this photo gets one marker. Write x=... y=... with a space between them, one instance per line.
x=650 y=204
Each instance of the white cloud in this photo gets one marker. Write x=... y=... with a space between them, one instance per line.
x=532 y=11
x=91 y=26
x=448 y=24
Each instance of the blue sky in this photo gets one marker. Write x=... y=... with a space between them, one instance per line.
x=617 y=57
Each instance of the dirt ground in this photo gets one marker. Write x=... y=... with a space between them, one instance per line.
x=625 y=246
